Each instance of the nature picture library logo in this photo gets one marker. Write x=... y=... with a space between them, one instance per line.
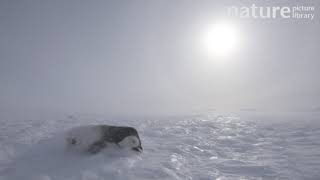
x=303 y=12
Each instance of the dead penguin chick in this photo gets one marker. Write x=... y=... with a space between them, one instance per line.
x=94 y=138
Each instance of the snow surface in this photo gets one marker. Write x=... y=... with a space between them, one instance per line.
x=204 y=146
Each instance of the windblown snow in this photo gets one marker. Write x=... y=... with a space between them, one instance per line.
x=198 y=147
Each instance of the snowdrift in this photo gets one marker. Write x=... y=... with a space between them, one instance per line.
x=205 y=146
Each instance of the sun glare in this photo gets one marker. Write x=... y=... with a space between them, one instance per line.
x=221 y=39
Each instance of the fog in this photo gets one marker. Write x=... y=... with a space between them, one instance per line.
x=144 y=57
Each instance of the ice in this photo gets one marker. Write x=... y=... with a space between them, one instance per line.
x=203 y=146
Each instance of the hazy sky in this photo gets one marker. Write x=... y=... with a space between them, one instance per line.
x=142 y=57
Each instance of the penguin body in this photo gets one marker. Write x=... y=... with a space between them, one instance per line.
x=94 y=138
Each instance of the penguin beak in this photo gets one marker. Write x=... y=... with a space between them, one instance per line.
x=139 y=149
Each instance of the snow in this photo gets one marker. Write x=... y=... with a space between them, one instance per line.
x=203 y=146
x=84 y=136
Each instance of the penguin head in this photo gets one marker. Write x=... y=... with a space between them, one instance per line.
x=132 y=142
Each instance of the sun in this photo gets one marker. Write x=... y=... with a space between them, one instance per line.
x=221 y=39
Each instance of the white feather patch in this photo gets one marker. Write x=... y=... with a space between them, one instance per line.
x=129 y=142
